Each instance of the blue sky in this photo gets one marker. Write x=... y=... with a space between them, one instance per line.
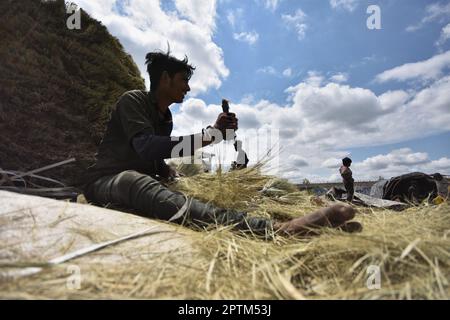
x=336 y=40
x=310 y=70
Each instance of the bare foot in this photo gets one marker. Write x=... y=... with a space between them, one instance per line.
x=332 y=217
x=351 y=227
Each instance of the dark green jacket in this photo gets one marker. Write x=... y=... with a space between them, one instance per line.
x=135 y=112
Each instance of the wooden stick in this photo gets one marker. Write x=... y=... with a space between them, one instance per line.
x=21 y=175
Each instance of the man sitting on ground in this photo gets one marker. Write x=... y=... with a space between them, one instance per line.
x=130 y=159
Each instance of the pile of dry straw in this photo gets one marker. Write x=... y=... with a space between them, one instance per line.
x=410 y=248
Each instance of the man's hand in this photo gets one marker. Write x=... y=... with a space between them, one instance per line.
x=169 y=174
x=226 y=121
x=173 y=174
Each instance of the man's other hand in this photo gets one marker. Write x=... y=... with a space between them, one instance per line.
x=169 y=174
x=173 y=174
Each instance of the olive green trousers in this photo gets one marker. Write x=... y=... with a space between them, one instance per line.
x=147 y=197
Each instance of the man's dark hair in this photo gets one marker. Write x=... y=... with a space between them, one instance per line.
x=438 y=177
x=346 y=161
x=158 y=62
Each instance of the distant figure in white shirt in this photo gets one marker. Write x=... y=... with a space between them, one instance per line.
x=242 y=159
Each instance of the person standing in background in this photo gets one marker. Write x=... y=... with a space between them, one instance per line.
x=347 y=177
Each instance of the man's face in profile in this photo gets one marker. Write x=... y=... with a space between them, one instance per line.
x=179 y=87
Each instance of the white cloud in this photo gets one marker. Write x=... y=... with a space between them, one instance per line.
x=445 y=35
x=399 y=162
x=287 y=72
x=267 y=70
x=314 y=78
x=400 y=157
x=413 y=28
x=234 y=17
x=272 y=4
x=430 y=69
x=440 y=165
x=349 y=5
x=435 y=98
x=249 y=37
x=297 y=21
x=199 y=12
x=365 y=61
x=332 y=163
x=298 y=161
x=231 y=18
x=392 y=100
x=434 y=12
x=236 y=21
x=146 y=27
x=334 y=103
x=339 y=78
x=248 y=99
